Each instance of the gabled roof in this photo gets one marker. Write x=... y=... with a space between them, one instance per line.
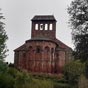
x=62 y=45
x=43 y=18
x=22 y=47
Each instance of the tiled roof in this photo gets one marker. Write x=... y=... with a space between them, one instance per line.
x=62 y=45
x=43 y=17
x=40 y=39
x=22 y=47
x=58 y=42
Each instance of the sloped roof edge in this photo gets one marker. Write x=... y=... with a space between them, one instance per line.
x=43 y=17
x=62 y=45
x=57 y=41
x=22 y=47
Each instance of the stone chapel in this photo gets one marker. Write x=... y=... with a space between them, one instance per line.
x=43 y=53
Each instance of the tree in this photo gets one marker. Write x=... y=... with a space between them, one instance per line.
x=78 y=11
x=3 y=67
x=3 y=38
x=72 y=72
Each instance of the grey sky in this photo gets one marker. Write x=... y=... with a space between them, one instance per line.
x=18 y=14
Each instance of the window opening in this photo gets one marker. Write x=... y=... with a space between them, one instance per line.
x=51 y=27
x=47 y=49
x=46 y=26
x=38 y=49
x=52 y=50
x=36 y=26
x=41 y=26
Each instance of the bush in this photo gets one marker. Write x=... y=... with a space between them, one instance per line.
x=61 y=85
x=72 y=72
x=6 y=81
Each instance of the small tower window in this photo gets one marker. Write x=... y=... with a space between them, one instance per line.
x=36 y=26
x=46 y=26
x=51 y=27
x=52 y=50
x=38 y=49
x=47 y=49
x=41 y=26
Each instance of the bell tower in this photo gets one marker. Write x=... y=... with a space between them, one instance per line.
x=43 y=26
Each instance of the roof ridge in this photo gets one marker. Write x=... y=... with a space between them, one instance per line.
x=44 y=17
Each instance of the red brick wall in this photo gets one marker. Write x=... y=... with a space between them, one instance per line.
x=38 y=62
x=44 y=33
x=42 y=56
x=46 y=60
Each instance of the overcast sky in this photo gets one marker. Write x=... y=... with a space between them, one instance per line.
x=18 y=14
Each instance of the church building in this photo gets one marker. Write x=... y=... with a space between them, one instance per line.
x=43 y=53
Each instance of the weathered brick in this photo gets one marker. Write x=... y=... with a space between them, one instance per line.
x=43 y=53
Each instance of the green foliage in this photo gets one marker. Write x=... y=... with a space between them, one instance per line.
x=6 y=81
x=12 y=78
x=36 y=83
x=72 y=71
x=83 y=82
x=3 y=67
x=78 y=11
x=61 y=85
x=3 y=38
x=5 y=78
x=22 y=80
x=18 y=79
x=12 y=71
x=86 y=69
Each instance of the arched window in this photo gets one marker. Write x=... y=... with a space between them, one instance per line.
x=41 y=26
x=51 y=27
x=46 y=26
x=52 y=50
x=47 y=49
x=38 y=49
x=36 y=26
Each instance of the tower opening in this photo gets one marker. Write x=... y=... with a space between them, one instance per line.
x=45 y=26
